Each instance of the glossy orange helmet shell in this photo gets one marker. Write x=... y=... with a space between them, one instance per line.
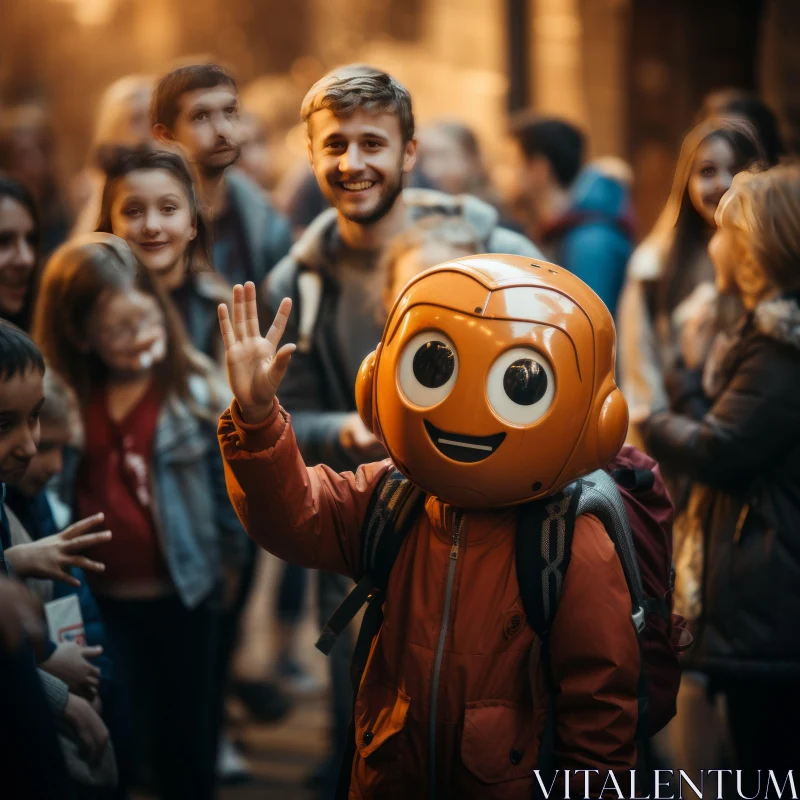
x=493 y=383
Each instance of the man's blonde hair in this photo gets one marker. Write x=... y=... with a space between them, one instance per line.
x=765 y=208
x=359 y=86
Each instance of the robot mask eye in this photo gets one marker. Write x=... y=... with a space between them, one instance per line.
x=428 y=369
x=521 y=386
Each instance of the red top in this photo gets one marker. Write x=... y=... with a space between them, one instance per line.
x=115 y=477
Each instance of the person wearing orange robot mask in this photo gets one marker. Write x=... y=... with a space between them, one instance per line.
x=493 y=385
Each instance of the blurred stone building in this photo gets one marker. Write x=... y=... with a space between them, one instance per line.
x=632 y=72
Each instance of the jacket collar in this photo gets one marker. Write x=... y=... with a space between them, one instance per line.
x=178 y=430
x=777 y=318
x=315 y=249
x=481 y=526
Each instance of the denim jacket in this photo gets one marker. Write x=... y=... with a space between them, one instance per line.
x=197 y=527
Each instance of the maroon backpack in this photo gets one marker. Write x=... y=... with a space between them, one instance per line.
x=650 y=514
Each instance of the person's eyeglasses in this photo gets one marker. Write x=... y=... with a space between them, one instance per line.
x=126 y=332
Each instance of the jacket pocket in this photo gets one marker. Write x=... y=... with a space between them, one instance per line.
x=380 y=717
x=499 y=744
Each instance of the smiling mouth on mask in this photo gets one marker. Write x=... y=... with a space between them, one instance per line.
x=466 y=449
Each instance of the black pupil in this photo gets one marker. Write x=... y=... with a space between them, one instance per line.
x=434 y=363
x=525 y=382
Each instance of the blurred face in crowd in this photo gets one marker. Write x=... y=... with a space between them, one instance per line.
x=126 y=329
x=712 y=173
x=21 y=400
x=359 y=161
x=254 y=158
x=207 y=127
x=29 y=162
x=531 y=179
x=135 y=125
x=49 y=459
x=151 y=211
x=18 y=237
x=445 y=162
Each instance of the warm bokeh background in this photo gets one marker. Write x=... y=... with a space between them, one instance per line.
x=632 y=71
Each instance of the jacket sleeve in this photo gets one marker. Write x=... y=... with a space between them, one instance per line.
x=307 y=516
x=594 y=659
x=56 y=692
x=746 y=431
x=598 y=253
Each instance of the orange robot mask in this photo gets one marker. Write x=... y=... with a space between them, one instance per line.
x=493 y=383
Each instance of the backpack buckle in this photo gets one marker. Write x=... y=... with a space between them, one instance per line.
x=638 y=618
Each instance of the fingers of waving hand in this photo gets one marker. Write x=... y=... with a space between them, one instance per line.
x=81 y=543
x=245 y=312
x=81 y=526
x=245 y=318
x=86 y=564
x=251 y=310
x=240 y=311
x=277 y=368
x=273 y=373
x=225 y=327
x=278 y=327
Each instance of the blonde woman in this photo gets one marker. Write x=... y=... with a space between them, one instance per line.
x=742 y=585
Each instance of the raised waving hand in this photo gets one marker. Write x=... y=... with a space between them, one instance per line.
x=255 y=364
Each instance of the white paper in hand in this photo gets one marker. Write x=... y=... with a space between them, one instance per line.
x=65 y=621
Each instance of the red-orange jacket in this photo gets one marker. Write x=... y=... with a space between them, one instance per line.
x=491 y=697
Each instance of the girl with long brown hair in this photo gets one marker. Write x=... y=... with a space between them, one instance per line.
x=670 y=276
x=150 y=462
x=149 y=200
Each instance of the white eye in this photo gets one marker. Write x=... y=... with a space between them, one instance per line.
x=428 y=369
x=521 y=386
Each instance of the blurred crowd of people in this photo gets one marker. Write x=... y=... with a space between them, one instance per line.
x=112 y=381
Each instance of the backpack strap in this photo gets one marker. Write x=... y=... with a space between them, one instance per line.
x=392 y=509
x=599 y=496
x=544 y=543
x=545 y=530
x=309 y=292
x=391 y=512
x=543 y=549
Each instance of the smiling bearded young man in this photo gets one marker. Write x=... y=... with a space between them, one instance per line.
x=361 y=146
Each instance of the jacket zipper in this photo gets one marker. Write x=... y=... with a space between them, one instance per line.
x=458 y=519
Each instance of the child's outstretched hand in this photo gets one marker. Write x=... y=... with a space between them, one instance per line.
x=51 y=557
x=255 y=364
